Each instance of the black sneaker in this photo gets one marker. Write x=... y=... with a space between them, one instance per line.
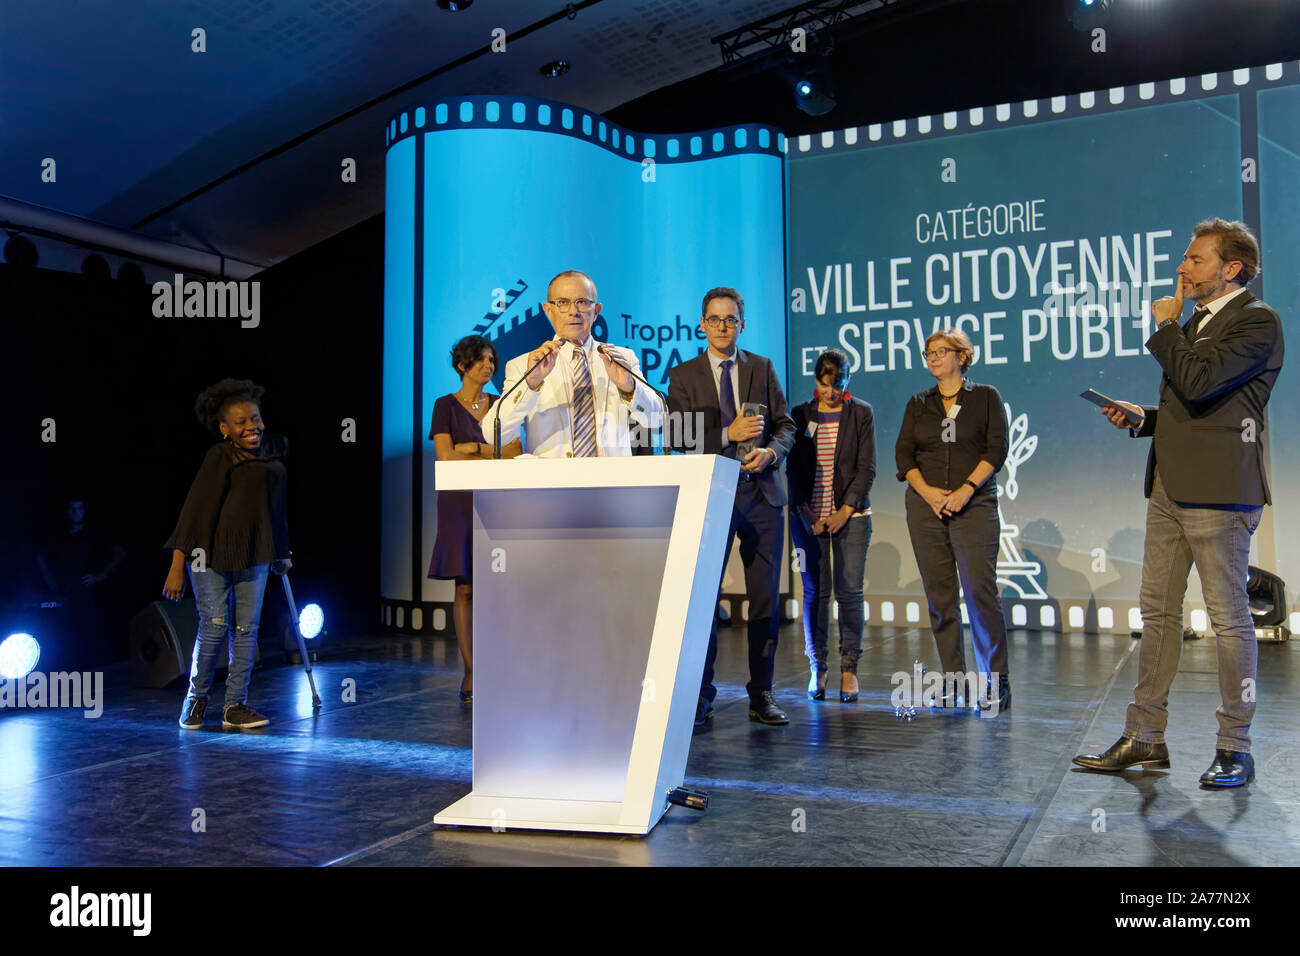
x=242 y=717
x=192 y=712
x=703 y=713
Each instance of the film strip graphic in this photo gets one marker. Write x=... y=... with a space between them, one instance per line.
x=528 y=113
x=514 y=333
x=416 y=617
x=980 y=119
x=511 y=333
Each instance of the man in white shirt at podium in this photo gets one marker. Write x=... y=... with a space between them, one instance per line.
x=578 y=402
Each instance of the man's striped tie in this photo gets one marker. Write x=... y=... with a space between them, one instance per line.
x=584 y=408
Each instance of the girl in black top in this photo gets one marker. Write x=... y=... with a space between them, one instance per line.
x=232 y=530
x=952 y=442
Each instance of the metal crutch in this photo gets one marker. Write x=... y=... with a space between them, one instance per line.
x=302 y=646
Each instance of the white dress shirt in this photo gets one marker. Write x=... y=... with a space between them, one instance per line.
x=1213 y=310
x=545 y=416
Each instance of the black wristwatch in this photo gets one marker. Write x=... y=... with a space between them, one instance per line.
x=974 y=487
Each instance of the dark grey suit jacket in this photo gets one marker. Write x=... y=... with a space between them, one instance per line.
x=691 y=389
x=855 y=456
x=1209 y=425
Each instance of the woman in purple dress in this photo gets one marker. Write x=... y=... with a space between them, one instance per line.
x=457 y=436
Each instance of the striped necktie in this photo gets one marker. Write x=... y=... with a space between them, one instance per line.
x=584 y=408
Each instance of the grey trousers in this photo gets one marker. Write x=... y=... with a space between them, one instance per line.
x=964 y=545
x=1217 y=540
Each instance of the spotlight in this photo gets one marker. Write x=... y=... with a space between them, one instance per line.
x=1087 y=15
x=554 y=68
x=311 y=620
x=1267 y=596
x=455 y=6
x=814 y=93
x=18 y=656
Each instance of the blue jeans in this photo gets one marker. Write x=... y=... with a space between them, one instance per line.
x=848 y=549
x=229 y=602
x=1217 y=541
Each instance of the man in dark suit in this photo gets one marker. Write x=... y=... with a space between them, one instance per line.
x=715 y=387
x=1207 y=486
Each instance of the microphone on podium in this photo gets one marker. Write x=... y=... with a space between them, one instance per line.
x=609 y=353
x=496 y=422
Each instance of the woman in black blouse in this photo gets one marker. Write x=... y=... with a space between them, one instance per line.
x=231 y=532
x=953 y=441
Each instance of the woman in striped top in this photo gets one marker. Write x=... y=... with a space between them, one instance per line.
x=831 y=470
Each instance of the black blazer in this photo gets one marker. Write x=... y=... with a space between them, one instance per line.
x=855 y=456
x=1209 y=425
x=979 y=433
x=691 y=389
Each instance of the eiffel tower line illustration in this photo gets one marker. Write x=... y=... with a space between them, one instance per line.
x=1013 y=570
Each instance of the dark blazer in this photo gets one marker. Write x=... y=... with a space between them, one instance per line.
x=979 y=433
x=1209 y=425
x=691 y=389
x=855 y=456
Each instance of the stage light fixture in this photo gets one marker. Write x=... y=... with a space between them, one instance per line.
x=1088 y=15
x=814 y=93
x=455 y=6
x=311 y=621
x=311 y=624
x=18 y=656
x=554 y=68
x=1267 y=596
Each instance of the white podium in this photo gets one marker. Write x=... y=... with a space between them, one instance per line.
x=595 y=582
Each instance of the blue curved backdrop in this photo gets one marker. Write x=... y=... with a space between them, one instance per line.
x=487 y=198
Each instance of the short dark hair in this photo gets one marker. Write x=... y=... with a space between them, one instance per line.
x=834 y=361
x=724 y=292
x=469 y=350
x=210 y=406
x=1234 y=242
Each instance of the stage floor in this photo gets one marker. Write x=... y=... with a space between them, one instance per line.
x=843 y=784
